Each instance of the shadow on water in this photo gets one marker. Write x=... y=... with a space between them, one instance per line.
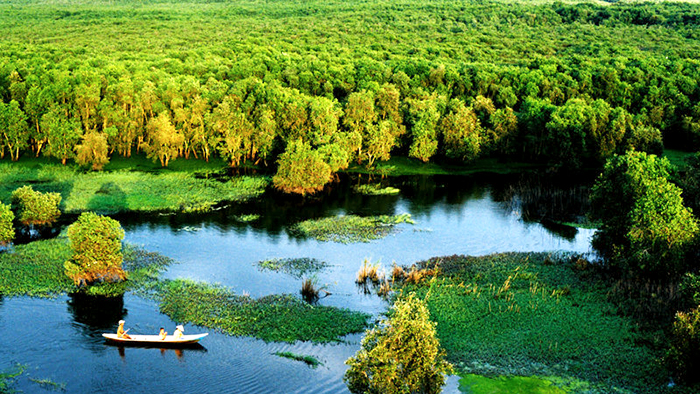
x=179 y=351
x=96 y=313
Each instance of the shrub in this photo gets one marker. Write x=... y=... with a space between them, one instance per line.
x=97 y=250
x=404 y=356
x=7 y=232
x=684 y=356
x=36 y=208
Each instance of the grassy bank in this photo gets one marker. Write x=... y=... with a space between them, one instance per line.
x=522 y=314
x=282 y=318
x=126 y=190
x=399 y=166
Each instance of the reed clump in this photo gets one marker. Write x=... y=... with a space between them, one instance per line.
x=370 y=272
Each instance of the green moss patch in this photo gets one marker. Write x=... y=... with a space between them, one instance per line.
x=297 y=268
x=122 y=191
x=351 y=228
x=528 y=314
x=475 y=384
x=281 y=318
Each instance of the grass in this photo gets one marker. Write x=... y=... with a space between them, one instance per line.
x=351 y=228
x=296 y=267
x=124 y=190
x=311 y=361
x=677 y=157
x=279 y=318
x=36 y=269
x=475 y=384
x=523 y=314
x=369 y=272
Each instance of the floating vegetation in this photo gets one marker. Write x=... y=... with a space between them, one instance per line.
x=48 y=384
x=523 y=314
x=476 y=384
x=311 y=361
x=246 y=218
x=190 y=229
x=7 y=377
x=282 y=318
x=351 y=228
x=376 y=190
x=296 y=267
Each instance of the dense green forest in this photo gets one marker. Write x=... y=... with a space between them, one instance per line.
x=309 y=87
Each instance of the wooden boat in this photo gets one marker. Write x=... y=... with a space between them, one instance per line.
x=154 y=340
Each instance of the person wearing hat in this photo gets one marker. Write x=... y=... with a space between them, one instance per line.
x=120 y=331
x=178 y=332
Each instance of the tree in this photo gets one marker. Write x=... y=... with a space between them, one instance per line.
x=13 y=123
x=7 y=232
x=423 y=118
x=164 y=142
x=36 y=208
x=683 y=358
x=461 y=132
x=301 y=169
x=403 y=356
x=62 y=133
x=645 y=229
x=93 y=150
x=96 y=242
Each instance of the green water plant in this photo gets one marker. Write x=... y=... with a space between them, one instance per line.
x=311 y=361
x=7 y=377
x=96 y=242
x=282 y=318
x=48 y=384
x=376 y=190
x=296 y=267
x=351 y=228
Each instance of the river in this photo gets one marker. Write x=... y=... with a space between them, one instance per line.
x=59 y=339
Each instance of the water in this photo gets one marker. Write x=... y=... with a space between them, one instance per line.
x=60 y=339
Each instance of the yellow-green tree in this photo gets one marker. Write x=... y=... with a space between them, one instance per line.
x=165 y=142
x=93 y=150
x=96 y=242
x=301 y=169
x=36 y=208
x=403 y=356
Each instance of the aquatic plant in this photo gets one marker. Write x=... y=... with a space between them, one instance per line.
x=476 y=384
x=351 y=228
x=369 y=272
x=376 y=190
x=311 y=361
x=311 y=291
x=282 y=318
x=512 y=314
x=247 y=218
x=48 y=384
x=7 y=377
x=296 y=267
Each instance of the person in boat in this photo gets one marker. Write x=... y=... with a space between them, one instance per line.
x=178 y=332
x=120 y=331
x=163 y=334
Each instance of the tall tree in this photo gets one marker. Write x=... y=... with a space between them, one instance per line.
x=164 y=141
x=13 y=123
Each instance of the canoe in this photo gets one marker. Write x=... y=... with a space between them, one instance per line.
x=155 y=339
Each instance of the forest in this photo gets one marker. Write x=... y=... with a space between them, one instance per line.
x=312 y=87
